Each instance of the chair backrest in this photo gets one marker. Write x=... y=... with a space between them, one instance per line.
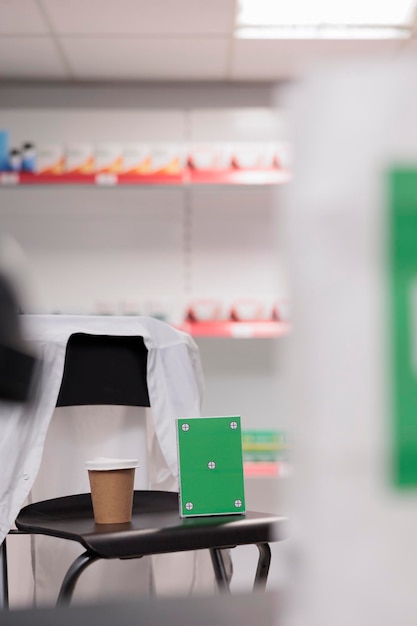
x=101 y=411
x=103 y=369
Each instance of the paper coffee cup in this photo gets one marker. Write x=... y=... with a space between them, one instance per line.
x=111 y=482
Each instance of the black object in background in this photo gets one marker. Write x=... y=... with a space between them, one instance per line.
x=17 y=365
x=103 y=369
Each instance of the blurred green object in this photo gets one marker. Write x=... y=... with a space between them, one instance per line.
x=264 y=445
x=17 y=364
x=403 y=313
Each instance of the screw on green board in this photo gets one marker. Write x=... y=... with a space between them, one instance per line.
x=403 y=258
x=210 y=466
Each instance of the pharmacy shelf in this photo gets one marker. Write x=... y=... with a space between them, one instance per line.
x=266 y=469
x=253 y=329
x=186 y=177
x=12 y=179
x=239 y=177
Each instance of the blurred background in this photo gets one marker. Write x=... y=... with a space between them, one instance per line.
x=189 y=161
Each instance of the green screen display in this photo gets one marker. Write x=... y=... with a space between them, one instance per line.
x=210 y=466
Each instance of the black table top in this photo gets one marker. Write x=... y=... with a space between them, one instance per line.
x=156 y=526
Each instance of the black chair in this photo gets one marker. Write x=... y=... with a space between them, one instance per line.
x=112 y=370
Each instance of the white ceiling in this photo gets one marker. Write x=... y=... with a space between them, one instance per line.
x=152 y=40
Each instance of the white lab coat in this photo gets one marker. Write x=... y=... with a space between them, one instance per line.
x=43 y=450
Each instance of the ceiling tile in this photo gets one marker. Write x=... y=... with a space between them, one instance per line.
x=124 y=17
x=286 y=59
x=21 y=17
x=146 y=59
x=29 y=57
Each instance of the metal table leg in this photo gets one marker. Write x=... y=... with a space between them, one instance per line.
x=4 y=583
x=219 y=570
x=264 y=562
x=79 y=565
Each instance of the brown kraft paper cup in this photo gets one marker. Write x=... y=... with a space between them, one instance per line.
x=112 y=495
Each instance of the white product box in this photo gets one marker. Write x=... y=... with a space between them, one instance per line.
x=281 y=310
x=251 y=155
x=136 y=159
x=208 y=156
x=167 y=158
x=205 y=310
x=282 y=155
x=49 y=159
x=247 y=309
x=108 y=158
x=79 y=158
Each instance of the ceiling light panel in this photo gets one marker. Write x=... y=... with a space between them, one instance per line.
x=325 y=12
x=303 y=33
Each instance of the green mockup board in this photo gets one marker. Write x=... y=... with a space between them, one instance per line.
x=210 y=466
x=403 y=309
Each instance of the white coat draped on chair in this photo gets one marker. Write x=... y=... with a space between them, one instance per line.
x=44 y=449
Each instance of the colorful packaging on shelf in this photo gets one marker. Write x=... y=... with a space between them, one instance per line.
x=167 y=158
x=264 y=445
x=205 y=310
x=79 y=158
x=208 y=156
x=15 y=160
x=4 y=150
x=50 y=159
x=28 y=158
x=136 y=159
x=282 y=155
x=251 y=155
x=108 y=158
x=281 y=310
x=246 y=309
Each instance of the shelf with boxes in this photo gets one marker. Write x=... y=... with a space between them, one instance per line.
x=270 y=176
x=255 y=329
x=114 y=164
x=188 y=228
x=266 y=453
x=246 y=318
